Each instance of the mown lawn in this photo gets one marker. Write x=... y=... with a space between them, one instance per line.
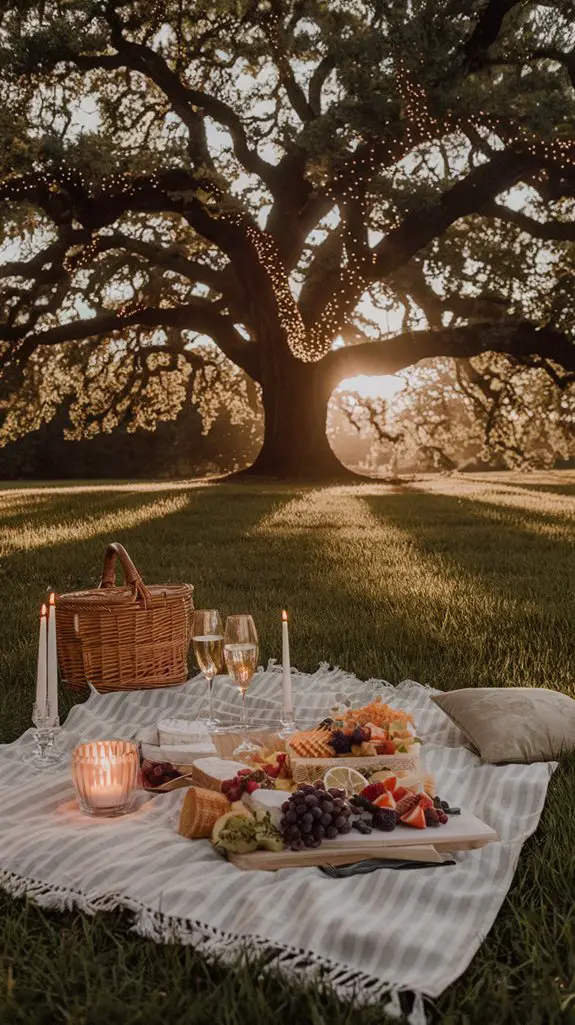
x=451 y=581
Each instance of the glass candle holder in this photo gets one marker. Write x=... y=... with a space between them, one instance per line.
x=105 y=775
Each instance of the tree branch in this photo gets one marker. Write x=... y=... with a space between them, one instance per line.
x=516 y=338
x=554 y=231
x=467 y=196
x=487 y=30
x=195 y=316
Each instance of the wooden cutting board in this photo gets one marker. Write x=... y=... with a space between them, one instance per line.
x=462 y=833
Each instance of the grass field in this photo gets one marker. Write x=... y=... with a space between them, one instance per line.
x=451 y=581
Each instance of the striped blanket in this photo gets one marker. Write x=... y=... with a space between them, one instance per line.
x=374 y=935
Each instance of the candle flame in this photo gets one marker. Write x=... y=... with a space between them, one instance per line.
x=43 y=610
x=52 y=598
x=284 y=616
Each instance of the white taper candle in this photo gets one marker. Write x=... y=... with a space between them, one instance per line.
x=287 y=700
x=41 y=679
x=52 y=660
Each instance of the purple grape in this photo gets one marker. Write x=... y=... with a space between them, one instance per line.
x=327 y=806
x=331 y=832
x=316 y=812
x=297 y=845
x=340 y=821
x=325 y=819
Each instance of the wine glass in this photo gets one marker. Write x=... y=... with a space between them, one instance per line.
x=241 y=652
x=208 y=639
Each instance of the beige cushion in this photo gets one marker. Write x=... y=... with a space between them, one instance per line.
x=513 y=724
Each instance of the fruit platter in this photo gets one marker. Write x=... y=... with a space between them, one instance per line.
x=364 y=795
x=371 y=737
x=261 y=819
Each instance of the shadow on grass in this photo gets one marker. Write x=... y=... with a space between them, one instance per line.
x=510 y=576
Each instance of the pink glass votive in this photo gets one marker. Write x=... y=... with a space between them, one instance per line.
x=105 y=775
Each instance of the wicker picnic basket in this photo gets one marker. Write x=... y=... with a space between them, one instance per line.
x=131 y=637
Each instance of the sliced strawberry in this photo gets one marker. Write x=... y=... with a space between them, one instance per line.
x=390 y=783
x=424 y=801
x=373 y=790
x=251 y=786
x=415 y=818
x=399 y=793
x=385 y=747
x=385 y=800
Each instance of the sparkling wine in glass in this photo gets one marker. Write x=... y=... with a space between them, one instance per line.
x=208 y=640
x=241 y=652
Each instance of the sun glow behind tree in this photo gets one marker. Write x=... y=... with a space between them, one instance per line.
x=276 y=178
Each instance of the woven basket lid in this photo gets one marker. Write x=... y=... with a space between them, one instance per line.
x=134 y=589
x=105 y=597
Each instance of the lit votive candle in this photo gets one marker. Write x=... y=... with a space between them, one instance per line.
x=105 y=774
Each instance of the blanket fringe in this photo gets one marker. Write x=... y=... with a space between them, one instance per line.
x=216 y=945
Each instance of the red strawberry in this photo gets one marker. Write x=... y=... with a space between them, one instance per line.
x=243 y=772
x=385 y=747
x=372 y=791
x=251 y=786
x=424 y=801
x=227 y=785
x=273 y=770
x=390 y=783
x=415 y=818
x=399 y=793
x=385 y=800
x=281 y=757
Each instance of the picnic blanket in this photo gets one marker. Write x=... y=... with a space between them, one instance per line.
x=371 y=935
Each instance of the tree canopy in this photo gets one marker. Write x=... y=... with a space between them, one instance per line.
x=322 y=188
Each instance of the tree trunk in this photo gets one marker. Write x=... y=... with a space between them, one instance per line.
x=295 y=400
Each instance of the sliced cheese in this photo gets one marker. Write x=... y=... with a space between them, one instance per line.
x=211 y=772
x=266 y=800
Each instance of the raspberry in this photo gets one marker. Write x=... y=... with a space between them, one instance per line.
x=406 y=804
x=443 y=818
x=431 y=817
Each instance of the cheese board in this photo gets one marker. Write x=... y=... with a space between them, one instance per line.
x=462 y=833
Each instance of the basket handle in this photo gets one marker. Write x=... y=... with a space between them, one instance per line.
x=131 y=576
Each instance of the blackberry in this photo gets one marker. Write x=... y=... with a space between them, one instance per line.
x=386 y=819
x=431 y=817
x=361 y=826
x=340 y=743
x=362 y=802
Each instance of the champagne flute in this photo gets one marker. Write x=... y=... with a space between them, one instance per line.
x=208 y=639
x=241 y=652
